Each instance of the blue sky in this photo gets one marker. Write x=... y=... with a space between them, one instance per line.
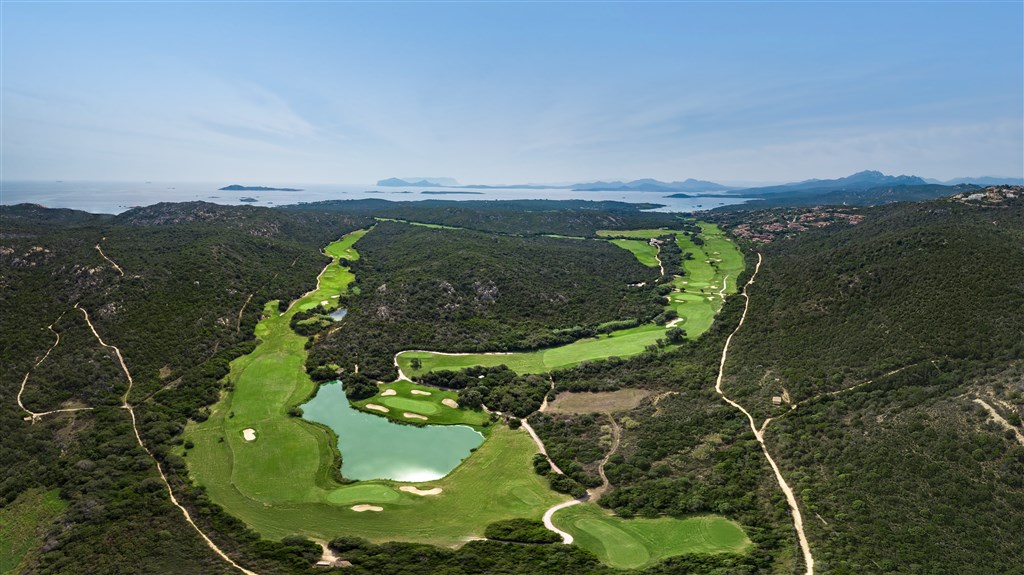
x=503 y=93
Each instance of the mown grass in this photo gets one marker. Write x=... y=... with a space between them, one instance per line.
x=697 y=300
x=431 y=406
x=633 y=543
x=23 y=524
x=645 y=253
x=283 y=482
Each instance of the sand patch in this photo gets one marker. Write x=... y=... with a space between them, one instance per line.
x=450 y=403
x=249 y=434
x=418 y=491
x=376 y=407
x=388 y=392
x=325 y=302
x=411 y=415
x=420 y=392
x=364 y=507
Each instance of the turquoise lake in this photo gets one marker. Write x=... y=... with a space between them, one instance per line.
x=373 y=447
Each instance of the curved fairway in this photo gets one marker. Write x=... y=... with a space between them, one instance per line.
x=282 y=483
x=710 y=275
x=633 y=543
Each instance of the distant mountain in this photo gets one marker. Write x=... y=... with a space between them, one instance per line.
x=238 y=188
x=857 y=182
x=855 y=197
x=983 y=181
x=420 y=182
x=651 y=185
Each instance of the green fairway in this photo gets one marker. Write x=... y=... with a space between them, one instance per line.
x=430 y=405
x=23 y=526
x=698 y=296
x=282 y=482
x=621 y=343
x=645 y=253
x=633 y=543
x=636 y=234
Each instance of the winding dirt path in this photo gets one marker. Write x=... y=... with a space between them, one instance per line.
x=596 y=493
x=138 y=438
x=798 y=521
x=657 y=257
x=1000 y=420
x=540 y=445
x=112 y=262
x=238 y=323
x=34 y=416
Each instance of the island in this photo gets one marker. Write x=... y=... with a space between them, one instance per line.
x=238 y=188
x=247 y=199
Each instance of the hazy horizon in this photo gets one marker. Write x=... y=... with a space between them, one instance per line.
x=322 y=93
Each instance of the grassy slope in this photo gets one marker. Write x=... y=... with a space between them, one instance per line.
x=645 y=253
x=22 y=525
x=697 y=302
x=282 y=484
x=631 y=543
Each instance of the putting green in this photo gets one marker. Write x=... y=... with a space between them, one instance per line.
x=710 y=275
x=633 y=543
x=363 y=493
x=283 y=482
x=413 y=405
x=403 y=399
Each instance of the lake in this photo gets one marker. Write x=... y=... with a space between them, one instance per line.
x=116 y=197
x=373 y=447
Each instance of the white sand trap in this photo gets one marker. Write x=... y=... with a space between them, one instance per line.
x=249 y=434
x=388 y=392
x=335 y=297
x=450 y=403
x=411 y=415
x=420 y=392
x=325 y=302
x=365 y=507
x=376 y=407
x=418 y=491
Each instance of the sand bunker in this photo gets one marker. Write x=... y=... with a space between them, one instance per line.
x=420 y=392
x=325 y=302
x=249 y=434
x=365 y=507
x=376 y=407
x=388 y=392
x=414 y=416
x=418 y=491
x=450 y=403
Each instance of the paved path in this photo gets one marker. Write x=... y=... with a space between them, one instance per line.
x=798 y=521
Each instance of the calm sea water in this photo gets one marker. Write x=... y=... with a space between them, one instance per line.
x=116 y=197
x=373 y=447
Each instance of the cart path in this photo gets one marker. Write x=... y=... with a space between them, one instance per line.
x=135 y=428
x=798 y=521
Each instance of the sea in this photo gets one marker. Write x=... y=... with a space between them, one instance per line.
x=116 y=197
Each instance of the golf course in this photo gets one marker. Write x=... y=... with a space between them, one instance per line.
x=710 y=276
x=417 y=467
x=275 y=471
x=632 y=543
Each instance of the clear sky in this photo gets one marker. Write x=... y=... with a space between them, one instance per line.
x=510 y=93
